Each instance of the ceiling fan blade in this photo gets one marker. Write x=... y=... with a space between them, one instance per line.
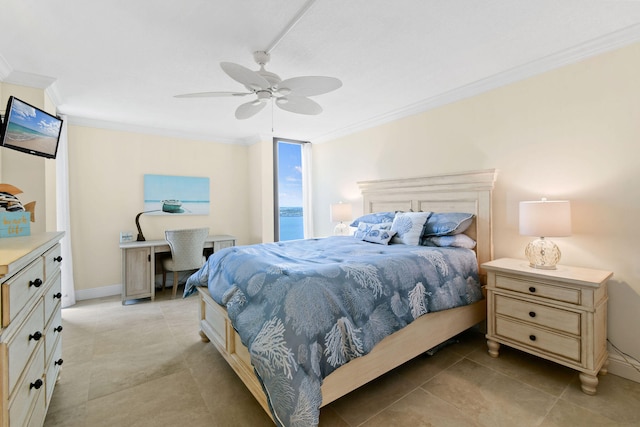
x=249 y=109
x=211 y=94
x=299 y=104
x=252 y=80
x=309 y=85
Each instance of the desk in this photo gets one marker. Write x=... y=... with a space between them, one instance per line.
x=139 y=264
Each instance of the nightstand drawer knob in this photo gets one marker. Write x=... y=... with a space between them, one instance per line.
x=532 y=289
x=532 y=337
x=36 y=384
x=532 y=314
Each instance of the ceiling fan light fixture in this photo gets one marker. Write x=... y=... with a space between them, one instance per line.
x=281 y=101
x=284 y=91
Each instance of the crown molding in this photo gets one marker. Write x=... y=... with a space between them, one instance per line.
x=577 y=53
x=148 y=130
x=5 y=68
x=22 y=78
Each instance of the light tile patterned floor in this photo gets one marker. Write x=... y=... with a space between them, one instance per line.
x=144 y=365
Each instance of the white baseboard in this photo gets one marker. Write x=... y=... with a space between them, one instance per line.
x=104 y=291
x=620 y=367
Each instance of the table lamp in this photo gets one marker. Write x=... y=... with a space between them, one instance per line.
x=341 y=212
x=544 y=218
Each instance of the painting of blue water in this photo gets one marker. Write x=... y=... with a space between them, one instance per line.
x=291 y=223
x=171 y=195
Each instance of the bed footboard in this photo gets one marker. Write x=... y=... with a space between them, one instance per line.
x=421 y=335
x=216 y=327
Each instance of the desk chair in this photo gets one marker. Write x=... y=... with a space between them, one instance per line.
x=186 y=253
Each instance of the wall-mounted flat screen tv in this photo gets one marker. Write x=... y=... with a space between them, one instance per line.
x=29 y=129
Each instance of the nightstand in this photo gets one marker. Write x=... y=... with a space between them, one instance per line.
x=560 y=315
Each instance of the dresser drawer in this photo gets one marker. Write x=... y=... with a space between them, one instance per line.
x=565 y=346
x=18 y=290
x=543 y=290
x=28 y=390
x=53 y=368
x=554 y=318
x=54 y=330
x=52 y=260
x=52 y=296
x=24 y=342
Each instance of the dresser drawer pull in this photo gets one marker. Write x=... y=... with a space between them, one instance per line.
x=57 y=296
x=532 y=337
x=58 y=328
x=36 y=336
x=37 y=283
x=58 y=362
x=532 y=289
x=58 y=258
x=36 y=384
x=532 y=314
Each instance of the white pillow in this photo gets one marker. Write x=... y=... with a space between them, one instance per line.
x=408 y=227
x=455 y=241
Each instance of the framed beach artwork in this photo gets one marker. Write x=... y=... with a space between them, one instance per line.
x=176 y=195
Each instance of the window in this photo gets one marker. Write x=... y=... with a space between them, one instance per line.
x=289 y=189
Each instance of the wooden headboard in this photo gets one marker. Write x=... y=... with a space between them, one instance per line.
x=459 y=192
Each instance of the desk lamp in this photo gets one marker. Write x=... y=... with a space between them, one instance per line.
x=544 y=218
x=341 y=212
x=140 y=237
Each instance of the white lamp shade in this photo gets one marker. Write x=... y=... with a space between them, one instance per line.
x=545 y=218
x=340 y=212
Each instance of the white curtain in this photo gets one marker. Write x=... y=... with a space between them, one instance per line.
x=306 y=190
x=63 y=217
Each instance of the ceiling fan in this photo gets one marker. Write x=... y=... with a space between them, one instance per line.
x=289 y=94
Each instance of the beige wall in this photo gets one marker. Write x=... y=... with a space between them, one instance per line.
x=106 y=173
x=261 y=184
x=572 y=133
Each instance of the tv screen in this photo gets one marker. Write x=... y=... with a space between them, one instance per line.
x=29 y=129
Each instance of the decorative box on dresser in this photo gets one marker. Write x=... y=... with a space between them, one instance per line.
x=31 y=326
x=560 y=315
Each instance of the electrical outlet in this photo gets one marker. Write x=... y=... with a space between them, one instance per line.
x=126 y=236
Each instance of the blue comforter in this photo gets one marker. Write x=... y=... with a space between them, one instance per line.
x=303 y=308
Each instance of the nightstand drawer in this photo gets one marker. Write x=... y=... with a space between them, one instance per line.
x=531 y=336
x=543 y=290
x=562 y=320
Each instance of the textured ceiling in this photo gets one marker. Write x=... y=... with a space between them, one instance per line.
x=118 y=63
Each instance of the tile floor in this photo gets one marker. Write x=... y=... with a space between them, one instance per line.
x=144 y=365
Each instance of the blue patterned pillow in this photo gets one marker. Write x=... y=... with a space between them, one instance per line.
x=454 y=241
x=374 y=233
x=408 y=227
x=442 y=224
x=374 y=218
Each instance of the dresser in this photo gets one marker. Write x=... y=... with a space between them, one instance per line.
x=560 y=315
x=139 y=263
x=31 y=326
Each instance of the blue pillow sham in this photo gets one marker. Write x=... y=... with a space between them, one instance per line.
x=447 y=223
x=374 y=218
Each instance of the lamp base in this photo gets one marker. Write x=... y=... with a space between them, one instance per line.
x=341 y=230
x=542 y=254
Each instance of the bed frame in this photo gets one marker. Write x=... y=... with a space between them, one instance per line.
x=461 y=192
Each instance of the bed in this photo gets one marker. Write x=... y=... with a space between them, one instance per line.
x=468 y=192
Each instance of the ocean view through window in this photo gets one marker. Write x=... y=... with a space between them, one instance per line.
x=288 y=190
